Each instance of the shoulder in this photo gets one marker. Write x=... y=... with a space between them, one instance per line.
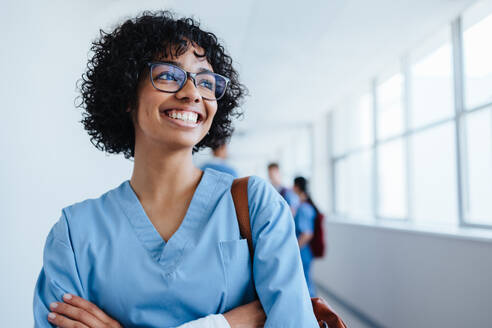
x=81 y=209
x=306 y=209
x=266 y=206
x=261 y=194
x=270 y=215
x=84 y=216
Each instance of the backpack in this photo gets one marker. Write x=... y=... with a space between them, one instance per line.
x=317 y=244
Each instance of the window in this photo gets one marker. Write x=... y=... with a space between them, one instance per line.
x=411 y=155
x=363 y=128
x=390 y=109
x=479 y=166
x=477 y=54
x=431 y=81
x=353 y=126
x=353 y=135
x=391 y=180
x=301 y=146
x=340 y=134
x=360 y=164
x=342 y=181
x=434 y=181
x=353 y=176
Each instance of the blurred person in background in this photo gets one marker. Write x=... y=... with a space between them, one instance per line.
x=219 y=160
x=304 y=221
x=160 y=249
x=276 y=180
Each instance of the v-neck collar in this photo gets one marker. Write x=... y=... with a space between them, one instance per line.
x=169 y=254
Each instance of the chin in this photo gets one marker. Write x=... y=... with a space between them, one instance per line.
x=183 y=143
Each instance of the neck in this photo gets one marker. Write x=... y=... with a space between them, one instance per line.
x=303 y=197
x=163 y=174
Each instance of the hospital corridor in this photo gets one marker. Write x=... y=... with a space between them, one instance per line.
x=365 y=128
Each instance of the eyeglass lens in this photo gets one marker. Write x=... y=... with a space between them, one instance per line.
x=170 y=78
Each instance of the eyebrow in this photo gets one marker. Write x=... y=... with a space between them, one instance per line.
x=202 y=69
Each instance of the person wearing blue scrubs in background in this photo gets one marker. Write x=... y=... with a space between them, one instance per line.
x=219 y=161
x=163 y=249
x=304 y=221
x=276 y=180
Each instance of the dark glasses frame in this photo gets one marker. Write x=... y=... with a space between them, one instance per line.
x=188 y=76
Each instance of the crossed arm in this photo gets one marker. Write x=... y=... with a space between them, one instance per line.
x=75 y=312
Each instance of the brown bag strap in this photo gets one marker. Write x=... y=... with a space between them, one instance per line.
x=239 y=191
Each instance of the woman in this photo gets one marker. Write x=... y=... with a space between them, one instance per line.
x=304 y=221
x=164 y=248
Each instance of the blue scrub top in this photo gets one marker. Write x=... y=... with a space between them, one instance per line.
x=290 y=197
x=304 y=221
x=221 y=166
x=107 y=251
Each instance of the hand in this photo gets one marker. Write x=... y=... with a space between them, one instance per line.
x=246 y=316
x=75 y=312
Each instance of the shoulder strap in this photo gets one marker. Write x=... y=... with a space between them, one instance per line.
x=239 y=191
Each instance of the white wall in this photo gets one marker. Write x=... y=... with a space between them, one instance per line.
x=409 y=279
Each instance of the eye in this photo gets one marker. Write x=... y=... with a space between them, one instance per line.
x=166 y=76
x=206 y=84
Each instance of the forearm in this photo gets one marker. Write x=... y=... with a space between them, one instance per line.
x=304 y=239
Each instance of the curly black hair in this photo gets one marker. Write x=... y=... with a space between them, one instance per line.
x=109 y=86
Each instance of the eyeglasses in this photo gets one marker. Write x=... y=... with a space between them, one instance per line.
x=170 y=78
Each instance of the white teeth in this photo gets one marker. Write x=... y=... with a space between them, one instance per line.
x=186 y=116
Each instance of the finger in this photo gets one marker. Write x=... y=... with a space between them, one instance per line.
x=75 y=314
x=60 y=321
x=89 y=307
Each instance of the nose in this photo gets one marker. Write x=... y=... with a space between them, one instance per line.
x=189 y=92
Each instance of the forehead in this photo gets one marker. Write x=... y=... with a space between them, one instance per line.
x=193 y=59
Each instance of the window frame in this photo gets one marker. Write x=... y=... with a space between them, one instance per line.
x=460 y=113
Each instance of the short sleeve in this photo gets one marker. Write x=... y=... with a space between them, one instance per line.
x=277 y=267
x=59 y=274
x=305 y=219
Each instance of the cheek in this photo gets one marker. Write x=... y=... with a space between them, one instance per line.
x=211 y=111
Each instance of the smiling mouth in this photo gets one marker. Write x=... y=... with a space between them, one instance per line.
x=183 y=115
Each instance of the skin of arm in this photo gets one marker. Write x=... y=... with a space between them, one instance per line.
x=249 y=315
x=304 y=238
